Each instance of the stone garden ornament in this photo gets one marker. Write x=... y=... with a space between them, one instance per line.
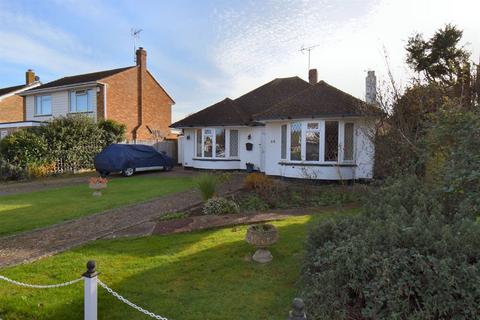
x=262 y=236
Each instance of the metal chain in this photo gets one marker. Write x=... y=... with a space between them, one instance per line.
x=129 y=303
x=37 y=286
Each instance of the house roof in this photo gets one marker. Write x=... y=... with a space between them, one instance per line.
x=223 y=113
x=319 y=100
x=81 y=78
x=241 y=110
x=4 y=91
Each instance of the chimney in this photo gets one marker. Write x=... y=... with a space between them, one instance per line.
x=312 y=76
x=141 y=57
x=371 y=87
x=30 y=77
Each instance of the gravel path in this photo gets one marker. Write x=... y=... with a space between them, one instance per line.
x=43 y=242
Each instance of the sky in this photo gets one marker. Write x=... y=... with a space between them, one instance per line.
x=203 y=51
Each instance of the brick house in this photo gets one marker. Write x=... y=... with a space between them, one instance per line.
x=12 y=107
x=129 y=95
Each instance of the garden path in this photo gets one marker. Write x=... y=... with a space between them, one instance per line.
x=43 y=242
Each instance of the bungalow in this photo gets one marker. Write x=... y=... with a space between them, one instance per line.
x=129 y=95
x=288 y=127
x=12 y=106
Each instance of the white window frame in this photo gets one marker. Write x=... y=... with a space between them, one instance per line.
x=72 y=103
x=37 y=107
x=214 y=142
x=321 y=130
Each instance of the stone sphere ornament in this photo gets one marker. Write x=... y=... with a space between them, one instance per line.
x=262 y=236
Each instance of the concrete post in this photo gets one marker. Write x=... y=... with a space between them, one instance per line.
x=298 y=310
x=90 y=295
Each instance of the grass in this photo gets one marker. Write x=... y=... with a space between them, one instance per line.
x=202 y=275
x=27 y=211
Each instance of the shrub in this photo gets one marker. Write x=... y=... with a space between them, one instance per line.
x=253 y=203
x=403 y=258
x=207 y=185
x=9 y=171
x=113 y=132
x=265 y=187
x=23 y=147
x=38 y=170
x=219 y=205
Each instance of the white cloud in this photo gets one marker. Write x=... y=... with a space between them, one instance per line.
x=261 y=42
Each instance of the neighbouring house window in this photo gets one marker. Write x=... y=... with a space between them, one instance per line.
x=198 y=134
x=220 y=143
x=82 y=100
x=284 y=142
x=331 y=140
x=207 y=143
x=312 y=142
x=348 y=142
x=43 y=105
x=233 y=143
x=296 y=141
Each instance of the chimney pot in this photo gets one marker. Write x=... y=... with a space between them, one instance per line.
x=141 y=57
x=312 y=76
x=30 y=76
x=371 y=87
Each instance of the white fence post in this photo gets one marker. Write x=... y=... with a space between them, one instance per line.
x=90 y=295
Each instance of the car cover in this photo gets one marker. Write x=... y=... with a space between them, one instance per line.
x=117 y=157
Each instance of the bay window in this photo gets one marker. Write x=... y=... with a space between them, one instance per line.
x=312 y=142
x=213 y=143
x=348 y=136
x=331 y=140
x=317 y=141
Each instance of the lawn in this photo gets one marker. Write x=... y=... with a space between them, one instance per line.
x=26 y=211
x=202 y=275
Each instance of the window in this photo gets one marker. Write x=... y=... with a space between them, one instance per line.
x=82 y=100
x=312 y=144
x=296 y=141
x=284 y=142
x=207 y=143
x=220 y=143
x=233 y=143
x=198 y=134
x=43 y=105
x=348 y=142
x=331 y=140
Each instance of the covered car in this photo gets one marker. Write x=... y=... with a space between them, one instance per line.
x=129 y=158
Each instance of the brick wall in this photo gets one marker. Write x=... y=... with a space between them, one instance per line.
x=123 y=102
x=11 y=109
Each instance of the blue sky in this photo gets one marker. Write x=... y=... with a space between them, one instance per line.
x=203 y=51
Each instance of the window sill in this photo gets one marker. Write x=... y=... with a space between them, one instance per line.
x=316 y=164
x=42 y=115
x=81 y=112
x=216 y=159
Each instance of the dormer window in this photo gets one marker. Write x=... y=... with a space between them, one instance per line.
x=82 y=101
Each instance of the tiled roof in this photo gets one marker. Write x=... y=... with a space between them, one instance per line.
x=241 y=110
x=225 y=112
x=81 y=78
x=8 y=90
x=319 y=100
